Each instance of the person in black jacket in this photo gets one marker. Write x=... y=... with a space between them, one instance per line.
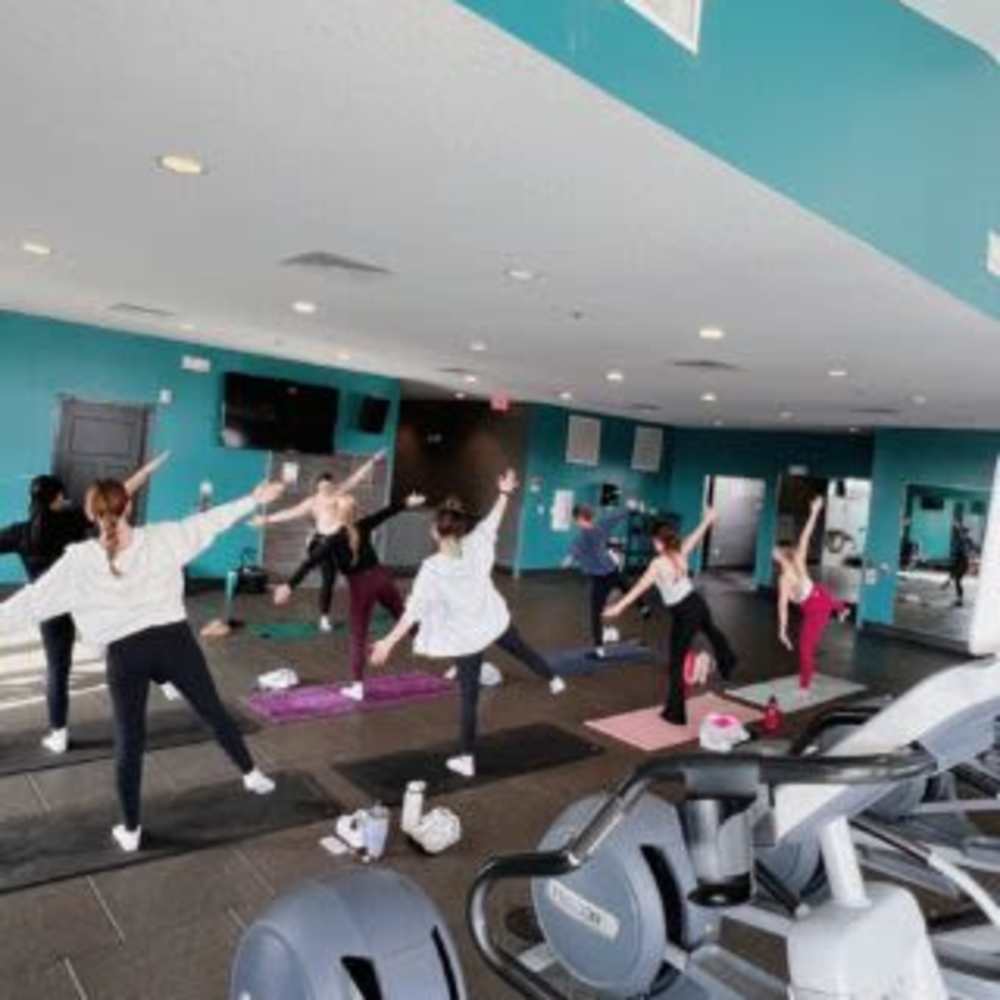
x=369 y=581
x=52 y=524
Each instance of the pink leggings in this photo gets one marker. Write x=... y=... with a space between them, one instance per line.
x=817 y=610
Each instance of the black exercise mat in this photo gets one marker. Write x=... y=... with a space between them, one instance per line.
x=70 y=843
x=503 y=754
x=21 y=751
x=582 y=661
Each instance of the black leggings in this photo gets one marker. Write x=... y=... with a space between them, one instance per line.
x=469 y=668
x=600 y=590
x=164 y=653
x=58 y=636
x=959 y=569
x=690 y=617
x=327 y=572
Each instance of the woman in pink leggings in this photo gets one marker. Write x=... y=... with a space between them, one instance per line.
x=817 y=604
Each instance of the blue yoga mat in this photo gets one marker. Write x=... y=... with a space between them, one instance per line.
x=569 y=662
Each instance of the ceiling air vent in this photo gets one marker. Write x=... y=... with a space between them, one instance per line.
x=454 y=371
x=876 y=411
x=706 y=365
x=644 y=408
x=322 y=260
x=680 y=19
x=134 y=309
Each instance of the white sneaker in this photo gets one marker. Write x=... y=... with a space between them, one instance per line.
x=170 y=692
x=258 y=783
x=56 y=741
x=557 y=685
x=464 y=764
x=127 y=840
x=355 y=691
x=325 y=625
x=451 y=673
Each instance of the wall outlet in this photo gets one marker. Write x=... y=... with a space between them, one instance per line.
x=166 y=397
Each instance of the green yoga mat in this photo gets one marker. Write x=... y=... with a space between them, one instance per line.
x=294 y=631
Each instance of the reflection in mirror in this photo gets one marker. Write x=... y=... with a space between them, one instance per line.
x=940 y=542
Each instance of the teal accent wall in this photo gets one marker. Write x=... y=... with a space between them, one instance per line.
x=931 y=529
x=860 y=110
x=42 y=358
x=765 y=455
x=539 y=547
x=903 y=457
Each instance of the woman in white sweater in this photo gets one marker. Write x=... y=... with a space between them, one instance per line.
x=125 y=590
x=461 y=614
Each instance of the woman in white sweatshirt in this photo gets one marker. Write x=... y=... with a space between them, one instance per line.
x=125 y=590
x=461 y=614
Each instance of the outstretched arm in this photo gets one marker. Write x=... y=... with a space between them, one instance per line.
x=52 y=594
x=692 y=541
x=802 y=549
x=10 y=538
x=361 y=472
x=140 y=477
x=783 y=601
x=372 y=521
x=640 y=587
x=302 y=509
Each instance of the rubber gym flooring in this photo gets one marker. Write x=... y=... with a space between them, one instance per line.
x=167 y=929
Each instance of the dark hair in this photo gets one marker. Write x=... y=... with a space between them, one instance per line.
x=668 y=537
x=107 y=501
x=582 y=512
x=324 y=477
x=43 y=492
x=451 y=519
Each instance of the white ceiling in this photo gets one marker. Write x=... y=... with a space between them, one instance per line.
x=977 y=21
x=414 y=136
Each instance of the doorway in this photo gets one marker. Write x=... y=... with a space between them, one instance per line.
x=97 y=441
x=729 y=553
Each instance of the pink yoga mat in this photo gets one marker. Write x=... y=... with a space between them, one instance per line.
x=645 y=729
x=317 y=701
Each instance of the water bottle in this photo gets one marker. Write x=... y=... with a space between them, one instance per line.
x=772 y=717
x=376 y=831
x=413 y=806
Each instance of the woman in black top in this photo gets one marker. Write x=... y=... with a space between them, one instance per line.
x=53 y=523
x=369 y=581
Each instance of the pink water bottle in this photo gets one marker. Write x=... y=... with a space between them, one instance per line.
x=772 y=717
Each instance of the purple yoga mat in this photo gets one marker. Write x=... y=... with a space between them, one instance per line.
x=317 y=701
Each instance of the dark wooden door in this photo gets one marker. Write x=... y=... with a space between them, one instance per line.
x=99 y=440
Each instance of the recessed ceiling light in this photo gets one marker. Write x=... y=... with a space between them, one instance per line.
x=709 y=397
x=717 y=423
x=854 y=430
x=178 y=163
x=918 y=400
x=459 y=395
x=305 y=308
x=478 y=346
x=615 y=375
x=566 y=395
x=38 y=249
x=786 y=414
x=711 y=333
x=521 y=274
x=837 y=373
x=187 y=327
x=343 y=355
x=470 y=379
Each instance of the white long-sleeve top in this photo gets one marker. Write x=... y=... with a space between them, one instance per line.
x=149 y=590
x=453 y=598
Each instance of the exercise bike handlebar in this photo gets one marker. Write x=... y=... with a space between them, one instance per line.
x=704 y=775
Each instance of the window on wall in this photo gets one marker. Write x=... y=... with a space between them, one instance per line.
x=647 y=449
x=583 y=441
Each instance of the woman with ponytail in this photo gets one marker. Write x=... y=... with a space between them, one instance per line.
x=125 y=590
x=460 y=613
x=369 y=582
x=53 y=523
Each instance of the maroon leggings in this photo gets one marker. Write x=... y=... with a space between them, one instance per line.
x=817 y=609
x=368 y=588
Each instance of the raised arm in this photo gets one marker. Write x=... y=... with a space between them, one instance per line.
x=692 y=541
x=52 y=594
x=640 y=587
x=360 y=473
x=302 y=509
x=802 y=549
x=140 y=477
x=489 y=526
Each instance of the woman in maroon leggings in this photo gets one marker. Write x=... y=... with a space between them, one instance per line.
x=369 y=581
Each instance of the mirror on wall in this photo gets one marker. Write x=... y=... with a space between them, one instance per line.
x=838 y=544
x=941 y=538
x=729 y=553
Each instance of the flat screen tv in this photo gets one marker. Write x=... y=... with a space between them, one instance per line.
x=269 y=414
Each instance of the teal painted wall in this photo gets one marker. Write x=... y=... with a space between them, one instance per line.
x=861 y=110
x=902 y=457
x=757 y=455
x=539 y=546
x=42 y=358
x=931 y=529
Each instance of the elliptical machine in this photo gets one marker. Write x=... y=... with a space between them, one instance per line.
x=630 y=889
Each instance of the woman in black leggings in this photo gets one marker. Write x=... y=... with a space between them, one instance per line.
x=126 y=591
x=52 y=524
